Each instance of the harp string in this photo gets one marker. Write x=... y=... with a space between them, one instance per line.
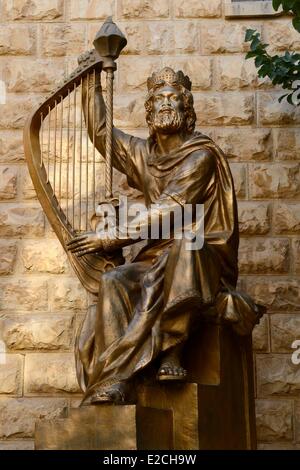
x=61 y=144
x=54 y=151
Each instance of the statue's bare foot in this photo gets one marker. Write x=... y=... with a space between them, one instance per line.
x=171 y=368
x=116 y=394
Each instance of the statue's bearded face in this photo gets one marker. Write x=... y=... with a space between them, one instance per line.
x=167 y=110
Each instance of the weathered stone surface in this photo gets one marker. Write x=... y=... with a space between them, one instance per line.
x=285 y=329
x=11 y=147
x=129 y=111
x=8 y=253
x=17 y=445
x=134 y=31
x=201 y=77
x=143 y=9
x=275 y=293
x=281 y=36
x=38 y=76
x=44 y=331
x=32 y=9
x=186 y=37
x=62 y=39
x=244 y=146
x=50 y=373
x=277 y=376
x=44 y=256
x=16 y=110
x=17 y=39
x=224 y=37
x=287 y=218
x=287 y=144
x=21 y=220
x=278 y=446
x=11 y=379
x=23 y=295
x=238 y=171
x=254 y=218
x=135 y=71
x=197 y=8
x=225 y=109
x=296 y=255
x=274 y=180
x=67 y=294
x=260 y=335
x=270 y=111
x=297 y=420
x=264 y=256
x=159 y=37
x=274 y=420
x=234 y=73
x=91 y=9
x=18 y=416
x=8 y=182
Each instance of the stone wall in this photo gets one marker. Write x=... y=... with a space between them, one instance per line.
x=41 y=302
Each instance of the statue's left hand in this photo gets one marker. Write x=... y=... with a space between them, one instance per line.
x=89 y=242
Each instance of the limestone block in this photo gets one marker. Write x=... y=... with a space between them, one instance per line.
x=297 y=420
x=129 y=111
x=23 y=295
x=11 y=147
x=199 y=69
x=8 y=182
x=277 y=376
x=296 y=255
x=25 y=444
x=260 y=335
x=281 y=36
x=274 y=420
x=197 y=8
x=91 y=9
x=224 y=37
x=274 y=180
x=285 y=329
x=16 y=110
x=62 y=39
x=143 y=9
x=135 y=33
x=8 y=253
x=270 y=111
x=44 y=331
x=186 y=37
x=18 y=416
x=245 y=146
x=134 y=71
x=27 y=190
x=67 y=294
x=32 y=9
x=21 y=220
x=224 y=109
x=238 y=171
x=50 y=373
x=286 y=218
x=277 y=294
x=263 y=256
x=44 y=256
x=17 y=39
x=287 y=144
x=235 y=73
x=254 y=218
x=11 y=379
x=159 y=37
x=38 y=76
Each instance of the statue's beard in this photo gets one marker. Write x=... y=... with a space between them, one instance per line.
x=167 y=122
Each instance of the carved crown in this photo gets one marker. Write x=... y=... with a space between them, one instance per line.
x=170 y=77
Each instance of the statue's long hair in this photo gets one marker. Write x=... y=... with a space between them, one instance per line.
x=188 y=107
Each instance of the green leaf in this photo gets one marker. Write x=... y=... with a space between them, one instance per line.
x=259 y=60
x=288 y=4
x=250 y=54
x=296 y=24
x=249 y=34
x=276 y=4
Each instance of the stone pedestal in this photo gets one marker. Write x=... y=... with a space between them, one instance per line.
x=214 y=411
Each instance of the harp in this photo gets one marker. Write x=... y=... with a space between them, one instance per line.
x=63 y=162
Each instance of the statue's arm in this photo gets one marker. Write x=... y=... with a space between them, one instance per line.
x=94 y=111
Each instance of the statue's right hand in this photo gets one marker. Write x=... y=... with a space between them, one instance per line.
x=89 y=242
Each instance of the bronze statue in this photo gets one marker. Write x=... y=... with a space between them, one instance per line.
x=147 y=309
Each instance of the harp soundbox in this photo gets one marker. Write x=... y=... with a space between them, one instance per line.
x=64 y=164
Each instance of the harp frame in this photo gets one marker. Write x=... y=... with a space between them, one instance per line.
x=88 y=268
